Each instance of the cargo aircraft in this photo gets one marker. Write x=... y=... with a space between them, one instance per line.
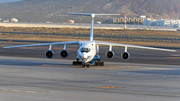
x=88 y=51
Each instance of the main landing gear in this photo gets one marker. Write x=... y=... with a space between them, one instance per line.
x=84 y=65
x=77 y=63
x=99 y=63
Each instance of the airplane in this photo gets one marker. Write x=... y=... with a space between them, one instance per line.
x=88 y=50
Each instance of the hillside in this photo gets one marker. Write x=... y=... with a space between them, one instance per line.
x=53 y=10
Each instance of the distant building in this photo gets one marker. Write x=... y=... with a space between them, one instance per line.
x=142 y=16
x=168 y=23
x=6 y=20
x=174 y=23
x=161 y=22
x=14 y=20
x=98 y=22
x=122 y=20
x=150 y=22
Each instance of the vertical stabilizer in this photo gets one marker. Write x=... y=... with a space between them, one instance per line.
x=92 y=21
x=92 y=28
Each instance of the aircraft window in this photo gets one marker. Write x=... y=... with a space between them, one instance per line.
x=85 y=50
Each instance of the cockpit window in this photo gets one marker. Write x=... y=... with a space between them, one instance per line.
x=85 y=50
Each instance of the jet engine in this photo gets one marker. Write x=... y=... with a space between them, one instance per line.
x=110 y=54
x=64 y=53
x=49 y=54
x=125 y=55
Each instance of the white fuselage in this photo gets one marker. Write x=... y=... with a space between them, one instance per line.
x=87 y=51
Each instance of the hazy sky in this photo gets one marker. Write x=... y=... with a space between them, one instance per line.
x=6 y=1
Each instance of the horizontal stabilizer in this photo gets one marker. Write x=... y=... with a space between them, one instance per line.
x=89 y=14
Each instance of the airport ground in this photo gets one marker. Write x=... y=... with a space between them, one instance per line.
x=148 y=75
x=26 y=74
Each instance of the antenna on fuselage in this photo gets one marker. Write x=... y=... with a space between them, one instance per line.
x=92 y=21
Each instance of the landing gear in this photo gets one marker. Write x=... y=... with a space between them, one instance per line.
x=87 y=65
x=77 y=63
x=99 y=63
x=84 y=65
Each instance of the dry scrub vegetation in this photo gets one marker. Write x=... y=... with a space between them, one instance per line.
x=141 y=37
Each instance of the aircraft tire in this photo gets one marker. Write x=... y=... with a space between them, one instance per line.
x=74 y=63
x=102 y=63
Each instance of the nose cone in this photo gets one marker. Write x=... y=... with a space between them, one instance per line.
x=84 y=56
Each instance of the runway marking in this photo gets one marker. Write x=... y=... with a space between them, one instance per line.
x=108 y=87
x=173 y=57
x=24 y=91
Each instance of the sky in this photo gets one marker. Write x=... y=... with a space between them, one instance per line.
x=6 y=1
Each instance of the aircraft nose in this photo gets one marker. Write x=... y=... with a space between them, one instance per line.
x=84 y=56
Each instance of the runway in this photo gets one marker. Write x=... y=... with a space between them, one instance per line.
x=148 y=75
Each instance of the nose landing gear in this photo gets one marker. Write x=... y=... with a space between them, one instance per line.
x=86 y=65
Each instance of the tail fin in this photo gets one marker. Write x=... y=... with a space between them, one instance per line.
x=92 y=21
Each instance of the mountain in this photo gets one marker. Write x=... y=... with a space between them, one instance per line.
x=53 y=10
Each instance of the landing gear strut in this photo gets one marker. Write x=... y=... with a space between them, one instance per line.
x=77 y=63
x=84 y=65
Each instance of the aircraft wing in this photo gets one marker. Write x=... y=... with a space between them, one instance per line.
x=132 y=46
x=45 y=44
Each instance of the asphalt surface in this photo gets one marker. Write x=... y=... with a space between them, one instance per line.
x=26 y=75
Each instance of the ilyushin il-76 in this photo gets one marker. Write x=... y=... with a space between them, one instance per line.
x=88 y=50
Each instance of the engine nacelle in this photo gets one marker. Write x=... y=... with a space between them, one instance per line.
x=110 y=54
x=125 y=55
x=64 y=53
x=49 y=54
